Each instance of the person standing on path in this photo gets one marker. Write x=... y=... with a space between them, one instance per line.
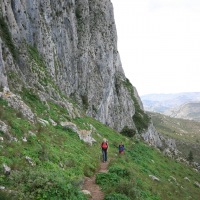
x=121 y=148
x=104 y=147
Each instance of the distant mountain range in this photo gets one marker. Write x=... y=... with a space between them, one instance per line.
x=179 y=105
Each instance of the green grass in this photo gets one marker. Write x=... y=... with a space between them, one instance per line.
x=138 y=163
x=62 y=160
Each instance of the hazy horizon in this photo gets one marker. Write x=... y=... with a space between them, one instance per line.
x=172 y=93
x=159 y=44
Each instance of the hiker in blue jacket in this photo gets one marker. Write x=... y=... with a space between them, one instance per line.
x=121 y=148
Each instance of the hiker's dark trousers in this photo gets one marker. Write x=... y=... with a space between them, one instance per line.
x=104 y=154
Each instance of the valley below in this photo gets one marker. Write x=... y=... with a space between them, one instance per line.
x=185 y=132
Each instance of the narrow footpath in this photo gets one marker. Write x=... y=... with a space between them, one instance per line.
x=92 y=187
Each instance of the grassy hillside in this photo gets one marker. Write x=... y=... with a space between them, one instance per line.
x=61 y=160
x=186 y=133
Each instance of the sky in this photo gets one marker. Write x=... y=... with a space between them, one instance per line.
x=159 y=44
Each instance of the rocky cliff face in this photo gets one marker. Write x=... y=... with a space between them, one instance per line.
x=66 y=50
x=166 y=145
x=66 y=47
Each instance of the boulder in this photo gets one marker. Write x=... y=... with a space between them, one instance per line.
x=154 y=178
x=31 y=133
x=30 y=161
x=6 y=169
x=5 y=129
x=16 y=102
x=52 y=122
x=2 y=188
x=87 y=193
x=173 y=178
x=24 y=139
x=197 y=184
x=187 y=179
x=43 y=122
x=14 y=139
x=69 y=125
x=85 y=135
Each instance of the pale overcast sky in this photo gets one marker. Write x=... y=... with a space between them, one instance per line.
x=159 y=44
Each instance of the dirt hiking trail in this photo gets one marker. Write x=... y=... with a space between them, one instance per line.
x=92 y=187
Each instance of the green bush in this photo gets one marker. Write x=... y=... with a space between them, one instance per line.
x=116 y=196
x=6 y=36
x=85 y=101
x=6 y=196
x=190 y=157
x=128 y=132
x=44 y=184
x=33 y=100
x=141 y=120
x=107 y=179
x=119 y=171
x=127 y=188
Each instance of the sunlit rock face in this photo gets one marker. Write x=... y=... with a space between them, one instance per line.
x=71 y=46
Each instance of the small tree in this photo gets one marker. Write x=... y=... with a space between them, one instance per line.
x=129 y=132
x=190 y=157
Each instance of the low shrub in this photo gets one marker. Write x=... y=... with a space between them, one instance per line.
x=4 y=195
x=119 y=171
x=116 y=196
x=43 y=184
x=7 y=37
x=107 y=179
x=127 y=188
x=128 y=132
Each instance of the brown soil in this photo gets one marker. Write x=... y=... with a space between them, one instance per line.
x=90 y=185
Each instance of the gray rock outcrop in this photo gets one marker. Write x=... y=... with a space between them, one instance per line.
x=152 y=137
x=85 y=135
x=16 y=102
x=154 y=178
x=6 y=169
x=166 y=145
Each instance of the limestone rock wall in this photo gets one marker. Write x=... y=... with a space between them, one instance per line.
x=70 y=45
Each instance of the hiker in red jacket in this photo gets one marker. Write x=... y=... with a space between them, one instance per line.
x=104 y=147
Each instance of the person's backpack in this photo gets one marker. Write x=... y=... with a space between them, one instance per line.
x=104 y=145
x=121 y=147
